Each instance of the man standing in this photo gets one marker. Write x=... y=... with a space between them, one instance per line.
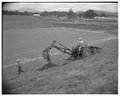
x=76 y=50
x=46 y=54
x=83 y=48
x=19 y=65
x=80 y=43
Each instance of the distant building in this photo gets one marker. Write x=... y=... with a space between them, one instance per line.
x=62 y=17
x=99 y=17
x=36 y=14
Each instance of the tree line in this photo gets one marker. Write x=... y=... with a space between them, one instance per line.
x=6 y=12
x=70 y=14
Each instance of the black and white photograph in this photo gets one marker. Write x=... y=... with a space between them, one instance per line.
x=60 y=47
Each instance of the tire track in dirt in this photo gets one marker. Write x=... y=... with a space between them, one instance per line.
x=24 y=60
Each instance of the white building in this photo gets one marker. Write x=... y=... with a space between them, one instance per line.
x=36 y=14
x=99 y=17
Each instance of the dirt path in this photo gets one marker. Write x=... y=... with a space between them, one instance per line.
x=24 y=60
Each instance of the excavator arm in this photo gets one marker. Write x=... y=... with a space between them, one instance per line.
x=61 y=47
x=55 y=44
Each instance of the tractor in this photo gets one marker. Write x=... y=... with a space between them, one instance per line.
x=74 y=52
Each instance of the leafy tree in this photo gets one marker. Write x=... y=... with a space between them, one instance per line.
x=103 y=15
x=80 y=14
x=89 y=14
x=70 y=14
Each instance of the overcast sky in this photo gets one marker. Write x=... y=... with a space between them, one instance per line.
x=111 y=7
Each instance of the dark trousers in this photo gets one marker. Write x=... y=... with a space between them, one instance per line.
x=20 y=70
x=48 y=59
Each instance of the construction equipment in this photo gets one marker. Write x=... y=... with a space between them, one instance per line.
x=73 y=52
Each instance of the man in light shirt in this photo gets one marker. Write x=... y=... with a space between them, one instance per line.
x=80 y=43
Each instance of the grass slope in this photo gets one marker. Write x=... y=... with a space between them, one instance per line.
x=95 y=74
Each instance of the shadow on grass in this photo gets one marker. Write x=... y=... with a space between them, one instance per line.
x=6 y=88
x=46 y=66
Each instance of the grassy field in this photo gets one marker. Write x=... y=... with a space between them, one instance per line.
x=27 y=36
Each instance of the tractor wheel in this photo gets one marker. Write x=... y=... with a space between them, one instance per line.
x=86 y=52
